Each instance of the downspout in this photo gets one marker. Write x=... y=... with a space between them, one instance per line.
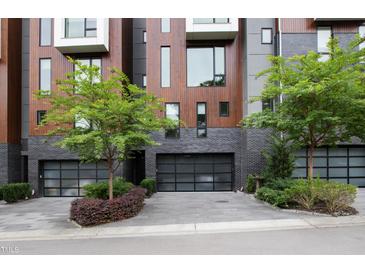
x=280 y=52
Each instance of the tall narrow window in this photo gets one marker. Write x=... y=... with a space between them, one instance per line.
x=45 y=76
x=323 y=36
x=144 y=36
x=165 y=24
x=165 y=67
x=173 y=113
x=201 y=119
x=45 y=32
x=40 y=116
x=223 y=109
x=362 y=34
x=144 y=81
x=266 y=36
x=88 y=62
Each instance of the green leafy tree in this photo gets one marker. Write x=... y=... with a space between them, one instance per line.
x=102 y=118
x=323 y=101
x=280 y=160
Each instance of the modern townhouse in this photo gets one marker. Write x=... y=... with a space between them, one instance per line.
x=204 y=68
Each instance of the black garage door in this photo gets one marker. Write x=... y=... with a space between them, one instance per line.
x=66 y=178
x=194 y=172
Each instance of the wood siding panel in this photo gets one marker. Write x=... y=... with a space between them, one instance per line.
x=308 y=25
x=189 y=96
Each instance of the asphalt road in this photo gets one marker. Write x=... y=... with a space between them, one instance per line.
x=344 y=240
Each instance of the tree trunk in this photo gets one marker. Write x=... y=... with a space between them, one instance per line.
x=110 y=173
x=310 y=162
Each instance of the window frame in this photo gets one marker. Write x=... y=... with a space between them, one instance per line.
x=90 y=64
x=40 y=33
x=161 y=28
x=40 y=114
x=85 y=29
x=179 y=115
x=47 y=92
x=214 y=66
x=262 y=36
x=220 y=108
x=169 y=86
x=197 y=120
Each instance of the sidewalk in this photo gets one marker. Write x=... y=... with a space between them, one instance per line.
x=182 y=229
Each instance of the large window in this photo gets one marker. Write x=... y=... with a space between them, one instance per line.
x=165 y=67
x=165 y=24
x=88 y=62
x=206 y=66
x=211 y=20
x=201 y=119
x=173 y=113
x=45 y=38
x=80 y=27
x=323 y=36
x=45 y=75
x=362 y=34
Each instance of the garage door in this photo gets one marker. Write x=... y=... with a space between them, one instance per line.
x=194 y=172
x=66 y=178
x=344 y=164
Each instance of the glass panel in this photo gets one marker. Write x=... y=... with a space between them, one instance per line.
x=201 y=108
x=200 y=168
x=219 y=60
x=69 y=174
x=144 y=36
x=321 y=172
x=51 y=192
x=221 y=20
x=70 y=183
x=69 y=165
x=300 y=162
x=87 y=173
x=301 y=152
x=103 y=174
x=51 y=183
x=207 y=159
x=75 y=27
x=222 y=168
x=222 y=177
x=204 y=187
x=91 y=27
x=144 y=81
x=337 y=161
x=86 y=182
x=357 y=151
x=224 y=108
x=165 y=24
x=87 y=165
x=51 y=165
x=184 y=168
x=45 y=74
x=319 y=162
x=166 y=168
x=166 y=187
x=357 y=172
x=299 y=172
x=166 y=177
x=203 y=20
x=320 y=152
x=337 y=172
x=172 y=111
x=223 y=159
x=266 y=36
x=185 y=187
x=362 y=34
x=323 y=36
x=185 y=178
x=70 y=192
x=51 y=174
x=339 y=180
x=357 y=181
x=46 y=31
x=168 y=159
x=102 y=165
x=184 y=159
x=200 y=67
x=204 y=177
x=337 y=151
x=165 y=66
x=222 y=186
x=357 y=161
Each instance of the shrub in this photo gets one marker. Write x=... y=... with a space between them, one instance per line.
x=100 y=190
x=251 y=184
x=87 y=212
x=275 y=197
x=281 y=184
x=336 y=196
x=150 y=185
x=304 y=192
x=13 y=192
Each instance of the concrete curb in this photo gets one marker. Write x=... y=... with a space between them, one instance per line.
x=182 y=229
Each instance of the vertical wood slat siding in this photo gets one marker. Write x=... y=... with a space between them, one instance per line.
x=114 y=58
x=189 y=96
x=10 y=81
x=308 y=25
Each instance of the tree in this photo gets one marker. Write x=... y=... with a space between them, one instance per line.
x=323 y=101
x=102 y=118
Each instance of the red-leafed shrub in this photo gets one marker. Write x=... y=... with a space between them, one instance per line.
x=88 y=211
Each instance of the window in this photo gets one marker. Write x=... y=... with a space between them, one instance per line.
x=362 y=34
x=165 y=67
x=165 y=24
x=266 y=36
x=45 y=76
x=40 y=116
x=173 y=113
x=211 y=20
x=206 y=66
x=81 y=122
x=80 y=27
x=88 y=62
x=201 y=119
x=144 y=36
x=144 y=81
x=223 y=109
x=45 y=32
x=323 y=36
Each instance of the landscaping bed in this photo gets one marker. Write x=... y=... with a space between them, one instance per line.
x=13 y=192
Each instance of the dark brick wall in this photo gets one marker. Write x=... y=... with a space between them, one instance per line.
x=10 y=167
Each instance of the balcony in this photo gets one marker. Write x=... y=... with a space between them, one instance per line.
x=79 y=35
x=211 y=28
